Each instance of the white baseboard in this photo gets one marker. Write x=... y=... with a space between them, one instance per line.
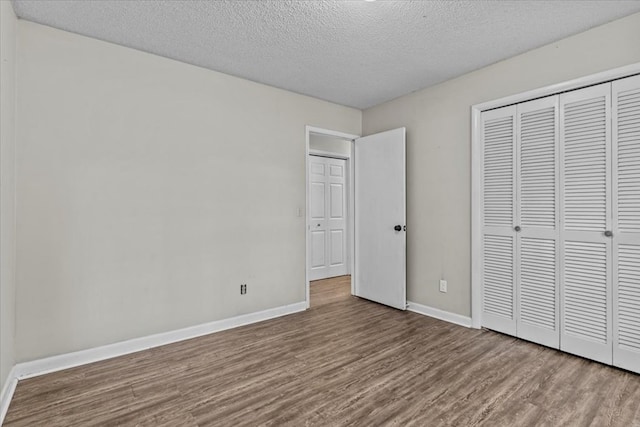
x=436 y=313
x=83 y=357
x=7 y=393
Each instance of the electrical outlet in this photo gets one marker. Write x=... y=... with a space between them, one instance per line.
x=243 y=289
x=443 y=286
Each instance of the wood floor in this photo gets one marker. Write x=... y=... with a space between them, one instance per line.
x=343 y=362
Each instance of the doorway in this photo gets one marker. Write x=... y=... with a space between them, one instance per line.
x=376 y=211
x=329 y=210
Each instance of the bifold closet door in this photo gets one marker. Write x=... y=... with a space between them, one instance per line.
x=537 y=216
x=626 y=227
x=498 y=220
x=586 y=221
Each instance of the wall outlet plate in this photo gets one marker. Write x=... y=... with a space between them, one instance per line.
x=443 y=286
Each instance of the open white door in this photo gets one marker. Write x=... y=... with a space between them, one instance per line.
x=380 y=218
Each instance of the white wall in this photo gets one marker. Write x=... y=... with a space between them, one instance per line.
x=438 y=121
x=149 y=190
x=330 y=144
x=7 y=188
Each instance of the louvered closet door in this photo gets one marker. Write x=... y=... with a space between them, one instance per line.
x=498 y=216
x=626 y=226
x=585 y=185
x=537 y=214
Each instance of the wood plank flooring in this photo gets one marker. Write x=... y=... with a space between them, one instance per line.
x=344 y=362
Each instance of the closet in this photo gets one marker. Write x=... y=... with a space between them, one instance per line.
x=560 y=221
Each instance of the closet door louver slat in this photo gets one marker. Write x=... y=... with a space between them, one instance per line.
x=626 y=228
x=585 y=194
x=537 y=213
x=498 y=274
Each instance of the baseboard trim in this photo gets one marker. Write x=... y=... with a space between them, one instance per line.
x=436 y=313
x=7 y=393
x=70 y=360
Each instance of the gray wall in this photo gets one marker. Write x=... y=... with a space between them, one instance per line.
x=149 y=189
x=8 y=24
x=438 y=122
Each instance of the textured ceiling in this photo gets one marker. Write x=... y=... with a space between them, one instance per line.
x=354 y=53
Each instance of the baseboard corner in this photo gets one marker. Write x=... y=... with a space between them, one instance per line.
x=436 y=313
x=7 y=393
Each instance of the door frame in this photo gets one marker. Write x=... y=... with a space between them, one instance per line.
x=350 y=205
x=476 y=164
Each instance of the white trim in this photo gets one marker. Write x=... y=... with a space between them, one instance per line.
x=476 y=157
x=436 y=313
x=328 y=132
x=352 y=213
x=476 y=219
x=83 y=357
x=593 y=79
x=330 y=154
x=350 y=220
x=7 y=393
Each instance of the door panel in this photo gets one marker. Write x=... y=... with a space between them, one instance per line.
x=626 y=227
x=499 y=219
x=318 y=243
x=380 y=197
x=586 y=330
x=316 y=202
x=337 y=201
x=538 y=150
x=499 y=133
x=538 y=293
x=337 y=245
x=327 y=217
x=498 y=280
x=585 y=141
x=537 y=210
x=626 y=351
x=336 y=170
x=337 y=217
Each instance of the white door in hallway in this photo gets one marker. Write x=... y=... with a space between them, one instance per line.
x=380 y=218
x=327 y=217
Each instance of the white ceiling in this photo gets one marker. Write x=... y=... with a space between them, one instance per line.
x=354 y=53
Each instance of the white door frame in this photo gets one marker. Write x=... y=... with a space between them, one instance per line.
x=476 y=165
x=350 y=217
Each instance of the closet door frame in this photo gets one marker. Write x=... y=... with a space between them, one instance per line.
x=477 y=151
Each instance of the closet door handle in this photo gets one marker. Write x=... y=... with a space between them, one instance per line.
x=608 y=233
x=517 y=228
